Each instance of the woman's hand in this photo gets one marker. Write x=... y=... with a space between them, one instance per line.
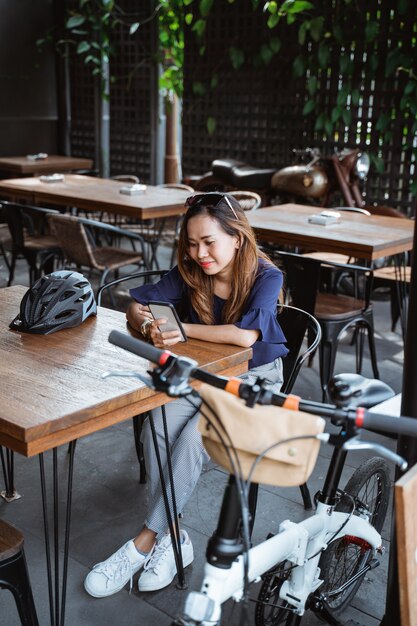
x=137 y=313
x=162 y=339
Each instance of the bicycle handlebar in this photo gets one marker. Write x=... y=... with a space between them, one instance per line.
x=186 y=368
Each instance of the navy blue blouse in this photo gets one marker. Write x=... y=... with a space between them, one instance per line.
x=259 y=311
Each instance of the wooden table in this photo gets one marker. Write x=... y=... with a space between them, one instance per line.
x=51 y=388
x=97 y=194
x=52 y=392
x=357 y=235
x=22 y=166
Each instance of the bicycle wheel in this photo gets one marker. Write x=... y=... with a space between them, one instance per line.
x=370 y=488
x=270 y=610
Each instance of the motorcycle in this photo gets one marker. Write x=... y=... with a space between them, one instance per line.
x=316 y=179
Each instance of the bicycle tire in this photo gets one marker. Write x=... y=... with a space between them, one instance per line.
x=266 y=613
x=369 y=485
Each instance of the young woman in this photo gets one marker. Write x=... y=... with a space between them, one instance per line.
x=229 y=290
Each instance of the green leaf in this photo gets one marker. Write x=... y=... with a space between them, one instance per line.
x=199 y=88
x=271 y=7
x=298 y=66
x=336 y=114
x=402 y=6
x=237 y=57
x=371 y=30
x=343 y=63
x=297 y=6
x=290 y=18
x=410 y=86
x=413 y=187
x=309 y=106
x=342 y=96
x=320 y=122
x=199 y=27
x=323 y=55
x=205 y=7
x=302 y=32
x=337 y=33
x=316 y=28
x=211 y=125
x=355 y=97
x=188 y=18
x=373 y=63
x=273 y=20
x=74 y=21
x=378 y=162
x=214 y=81
x=347 y=116
x=82 y=47
x=133 y=28
x=275 y=45
x=266 y=54
x=328 y=127
x=394 y=60
x=312 y=85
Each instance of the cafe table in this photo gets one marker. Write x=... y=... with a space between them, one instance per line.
x=102 y=195
x=357 y=235
x=52 y=392
x=52 y=163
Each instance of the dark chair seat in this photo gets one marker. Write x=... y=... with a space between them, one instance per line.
x=14 y=574
x=336 y=307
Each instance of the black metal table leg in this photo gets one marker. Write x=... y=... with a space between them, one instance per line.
x=7 y=462
x=57 y=590
x=172 y=520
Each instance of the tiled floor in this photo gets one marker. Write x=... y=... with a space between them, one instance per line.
x=108 y=508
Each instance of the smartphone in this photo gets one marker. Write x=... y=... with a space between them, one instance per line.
x=167 y=310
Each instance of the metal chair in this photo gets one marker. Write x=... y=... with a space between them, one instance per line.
x=80 y=242
x=14 y=574
x=30 y=238
x=335 y=313
x=137 y=419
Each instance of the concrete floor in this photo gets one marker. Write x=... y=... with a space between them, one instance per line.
x=108 y=508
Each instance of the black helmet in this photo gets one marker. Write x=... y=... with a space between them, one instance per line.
x=58 y=300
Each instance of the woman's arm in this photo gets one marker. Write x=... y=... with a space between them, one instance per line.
x=223 y=333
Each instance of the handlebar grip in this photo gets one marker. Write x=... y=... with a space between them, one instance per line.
x=398 y=425
x=141 y=348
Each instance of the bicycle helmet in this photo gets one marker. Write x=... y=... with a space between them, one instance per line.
x=58 y=300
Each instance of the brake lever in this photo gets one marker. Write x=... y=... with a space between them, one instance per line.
x=355 y=444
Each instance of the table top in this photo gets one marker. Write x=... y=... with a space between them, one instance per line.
x=52 y=390
x=52 y=163
x=358 y=235
x=97 y=194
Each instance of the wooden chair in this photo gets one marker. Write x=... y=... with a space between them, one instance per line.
x=335 y=313
x=79 y=239
x=14 y=574
x=248 y=200
x=30 y=238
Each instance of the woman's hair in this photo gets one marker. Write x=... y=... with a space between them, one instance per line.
x=227 y=211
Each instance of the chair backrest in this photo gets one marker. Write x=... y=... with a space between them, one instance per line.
x=248 y=200
x=301 y=279
x=22 y=218
x=73 y=239
x=127 y=178
x=146 y=276
x=177 y=186
x=295 y=323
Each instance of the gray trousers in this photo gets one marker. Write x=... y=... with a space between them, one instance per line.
x=187 y=451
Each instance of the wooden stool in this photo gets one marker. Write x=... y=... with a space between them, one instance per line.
x=14 y=575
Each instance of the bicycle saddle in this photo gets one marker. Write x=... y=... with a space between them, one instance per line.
x=355 y=390
x=242 y=175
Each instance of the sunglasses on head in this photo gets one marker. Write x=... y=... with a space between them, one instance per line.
x=211 y=198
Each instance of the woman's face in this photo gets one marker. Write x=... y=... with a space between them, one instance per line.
x=210 y=246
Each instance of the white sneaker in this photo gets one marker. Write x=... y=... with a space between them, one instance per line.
x=111 y=576
x=160 y=569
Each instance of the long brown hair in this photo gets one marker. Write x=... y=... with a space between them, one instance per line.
x=245 y=265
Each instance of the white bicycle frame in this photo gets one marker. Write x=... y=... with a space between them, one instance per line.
x=295 y=543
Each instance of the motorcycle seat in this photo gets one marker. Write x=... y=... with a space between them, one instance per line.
x=242 y=175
